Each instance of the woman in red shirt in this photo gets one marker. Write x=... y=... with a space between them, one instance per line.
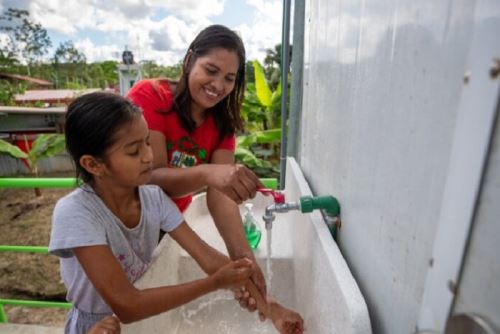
x=192 y=133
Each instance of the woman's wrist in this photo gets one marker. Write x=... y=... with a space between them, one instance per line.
x=241 y=252
x=204 y=174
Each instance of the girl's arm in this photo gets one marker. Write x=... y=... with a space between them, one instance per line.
x=235 y=181
x=207 y=257
x=227 y=218
x=131 y=304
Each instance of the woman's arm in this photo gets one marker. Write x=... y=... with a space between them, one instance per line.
x=235 y=181
x=176 y=182
x=227 y=218
x=131 y=304
x=284 y=320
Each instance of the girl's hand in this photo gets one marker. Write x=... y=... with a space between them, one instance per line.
x=235 y=181
x=108 y=325
x=234 y=274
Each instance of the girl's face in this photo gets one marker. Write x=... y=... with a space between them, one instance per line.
x=129 y=161
x=212 y=77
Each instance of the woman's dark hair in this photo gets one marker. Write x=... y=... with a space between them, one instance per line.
x=92 y=121
x=226 y=113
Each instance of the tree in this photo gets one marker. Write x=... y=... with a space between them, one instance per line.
x=8 y=91
x=72 y=59
x=67 y=53
x=6 y=60
x=272 y=64
x=27 y=40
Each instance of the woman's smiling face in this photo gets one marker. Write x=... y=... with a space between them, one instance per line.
x=212 y=77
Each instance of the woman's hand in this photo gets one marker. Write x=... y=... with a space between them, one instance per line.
x=286 y=321
x=243 y=297
x=108 y=325
x=234 y=274
x=236 y=181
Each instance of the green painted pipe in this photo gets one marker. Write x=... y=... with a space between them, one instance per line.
x=70 y=182
x=41 y=182
x=327 y=203
x=24 y=249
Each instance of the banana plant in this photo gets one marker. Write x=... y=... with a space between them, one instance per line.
x=45 y=146
x=250 y=148
x=262 y=111
x=262 y=105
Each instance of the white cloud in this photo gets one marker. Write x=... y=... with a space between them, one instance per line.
x=175 y=34
x=265 y=31
x=191 y=10
x=100 y=27
x=63 y=16
x=101 y=52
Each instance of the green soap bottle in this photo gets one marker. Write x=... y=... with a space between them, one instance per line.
x=252 y=231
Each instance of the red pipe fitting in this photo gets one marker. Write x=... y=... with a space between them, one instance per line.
x=278 y=197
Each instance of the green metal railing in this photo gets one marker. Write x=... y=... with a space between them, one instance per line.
x=25 y=249
x=60 y=182
x=28 y=303
x=52 y=183
x=70 y=182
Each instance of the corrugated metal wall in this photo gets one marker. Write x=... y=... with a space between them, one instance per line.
x=59 y=163
x=382 y=84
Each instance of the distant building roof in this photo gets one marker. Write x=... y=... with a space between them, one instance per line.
x=52 y=96
x=31 y=80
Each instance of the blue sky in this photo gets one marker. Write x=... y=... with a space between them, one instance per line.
x=157 y=30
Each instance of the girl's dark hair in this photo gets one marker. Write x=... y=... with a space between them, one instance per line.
x=92 y=121
x=226 y=113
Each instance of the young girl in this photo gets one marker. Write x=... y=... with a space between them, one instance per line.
x=193 y=135
x=106 y=230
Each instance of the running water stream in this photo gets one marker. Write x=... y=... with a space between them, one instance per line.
x=269 y=272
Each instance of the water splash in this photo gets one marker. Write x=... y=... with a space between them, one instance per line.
x=188 y=313
x=219 y=313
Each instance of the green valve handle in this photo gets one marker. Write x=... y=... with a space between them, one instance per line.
x=327 y=203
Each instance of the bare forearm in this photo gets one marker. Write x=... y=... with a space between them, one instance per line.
x=178 y=182
x=261 y=303
x=227 y=218
x=150 y=302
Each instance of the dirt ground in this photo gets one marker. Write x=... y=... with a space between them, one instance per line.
x=25 y=220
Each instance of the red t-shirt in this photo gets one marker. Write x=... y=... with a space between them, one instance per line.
x=183 y=149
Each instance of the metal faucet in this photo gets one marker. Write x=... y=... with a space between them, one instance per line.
x=328 y=204
x=277 y=207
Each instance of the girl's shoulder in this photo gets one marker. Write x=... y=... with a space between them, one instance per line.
x=150 y=194
x=78 y=198
x=75 y=196
x=153 y=197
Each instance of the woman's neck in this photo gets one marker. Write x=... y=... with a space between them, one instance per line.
x=198 y=114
